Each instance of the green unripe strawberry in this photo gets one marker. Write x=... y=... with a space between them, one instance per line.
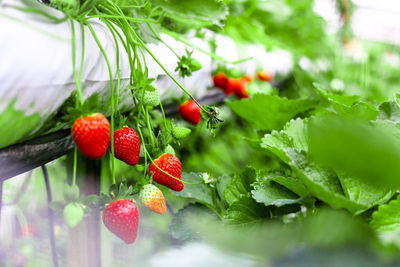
x=151 y=98
x=180 y=132
x=73 y=214
x=169 y=149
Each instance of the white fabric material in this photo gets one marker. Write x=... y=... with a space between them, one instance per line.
x=36 y=62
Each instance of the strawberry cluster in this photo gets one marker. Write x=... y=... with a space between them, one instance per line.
x=238 y=86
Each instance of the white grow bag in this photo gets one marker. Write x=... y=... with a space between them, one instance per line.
x=36 y=74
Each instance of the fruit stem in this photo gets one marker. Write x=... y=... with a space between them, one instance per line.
x=112 y=97
x=149 y=128
x=75 y=165
x=172 y=77
x=168 y=173
x=77 y=80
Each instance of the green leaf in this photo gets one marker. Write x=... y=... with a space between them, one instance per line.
x=389 y=111
x=196 y=13
x=369 y=151
x=293 y=184
x=386 y=222
x=297 y=131
x=181 y=227
x=221 y=184
x=271 y=193
x=322 y=183
x=269 y=112
x=358 y=110
x=240 y=186
x=245 y=211
x=201 y=193
x=363 y=193
x=277 y=143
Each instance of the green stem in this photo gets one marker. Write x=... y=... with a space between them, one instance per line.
x=149 y=127
x=168 y=173
x=166 y=72
x=119 y=17
x=112 y=97
x=75 y=165
x=163 y=113
x=118 y=70
x=161 y=40
x=212 y=55
x=77 y=81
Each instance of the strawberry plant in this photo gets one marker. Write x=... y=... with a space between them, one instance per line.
x=279 y=168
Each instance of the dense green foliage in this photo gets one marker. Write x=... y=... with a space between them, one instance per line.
x=303 y=171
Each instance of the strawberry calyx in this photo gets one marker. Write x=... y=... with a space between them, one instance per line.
x=117 y=192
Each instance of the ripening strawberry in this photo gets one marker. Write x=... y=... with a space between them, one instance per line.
x=121 y=217
x=265 y=76
x=92 y=135
x=190 y=112
x=220 y=80
x=237 y=87
x=247 y=77
x=152 y=198
x=170 y=164
x=127 y=145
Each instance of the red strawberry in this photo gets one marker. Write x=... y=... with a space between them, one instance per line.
x=170 y=164
x=121 y=217
x=92 y=135
x=230 y=84
x=220 y=80
x=190 y=111
x=153 y=199
x=127 y=145
x=238 y=87
x=265 y=76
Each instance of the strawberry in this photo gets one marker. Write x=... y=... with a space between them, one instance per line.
x=151 y=98
x=170 y=164
x=127 y=145
x=121 y=217
x=190 y=111
x=238 y=87
x=152 y=198
x=92 y=135
x=180 y=132
x=265 y=76
x=220 y=80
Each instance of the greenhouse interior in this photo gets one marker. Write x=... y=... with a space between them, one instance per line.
x=191 y=133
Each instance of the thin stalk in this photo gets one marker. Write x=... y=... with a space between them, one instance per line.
x=149 y=127
x=77 y=82
x=50 y=217
x=166 y=72
x=212 y=55
x=112 y=97
x=75 y=165
x=168 y=173
x=118 y=70
x=161 y=40
x=120 y=17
